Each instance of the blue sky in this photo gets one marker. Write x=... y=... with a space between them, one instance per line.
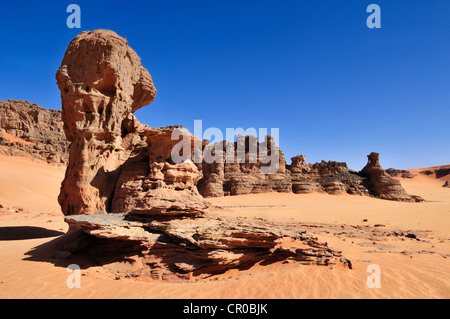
x=336 y=89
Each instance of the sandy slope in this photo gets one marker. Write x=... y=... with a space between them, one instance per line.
x=409 y=268
x=14 y=139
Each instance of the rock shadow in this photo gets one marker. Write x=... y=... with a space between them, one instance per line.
x=26 y=232
x=76 y=247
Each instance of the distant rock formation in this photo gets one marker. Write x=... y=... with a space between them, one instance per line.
x=438 y=172
x=396 y=172
x=123 y=194
x=242 y=174
x=446 y=184
x=29 y=130
x=330 y=177
x=382 y=185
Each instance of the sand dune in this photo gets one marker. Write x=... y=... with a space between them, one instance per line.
x=353 y=224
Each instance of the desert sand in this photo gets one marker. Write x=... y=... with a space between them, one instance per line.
x=31 y=222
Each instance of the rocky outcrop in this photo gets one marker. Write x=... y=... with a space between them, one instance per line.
x=124 y=195
x=446 y=184
x=239 y=168
x=193 y=248
x=396 y=172
x=300 y=177
x=102 y=82
x=150 y=184
x=381 y=184
x=29 y=130
x=438 y=172
x=329 y=177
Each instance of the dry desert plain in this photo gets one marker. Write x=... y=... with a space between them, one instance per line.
x=363 y=228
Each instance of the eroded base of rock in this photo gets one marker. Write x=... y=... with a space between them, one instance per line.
x=168 y=248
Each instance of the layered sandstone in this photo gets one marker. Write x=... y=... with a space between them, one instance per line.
x=300 y=177
x=29 y=130
x=192 y=248
x=125 y=195
x=330 y=177
x=381 y=184
x=102 y=82
x=240 y=168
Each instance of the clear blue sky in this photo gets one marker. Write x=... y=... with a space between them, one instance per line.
x=335 y=89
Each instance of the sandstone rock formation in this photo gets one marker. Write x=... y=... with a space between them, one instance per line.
x=102 y=82
x=193 y=248
x=381 y=184
x=330 y=177
x=124 y=195
x=32 y=131
x=240 y=169
x=396 y=172
x=28 y=130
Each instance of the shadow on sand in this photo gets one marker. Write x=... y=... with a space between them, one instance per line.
x=76 y=247
x=26 y=232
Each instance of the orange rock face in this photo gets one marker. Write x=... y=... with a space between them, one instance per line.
x=102 y=82
x=29 y=130
x=127 y=196
x=382 y=185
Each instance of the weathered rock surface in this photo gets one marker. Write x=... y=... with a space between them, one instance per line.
x=102 y=82
x=330 y=177
x=149 y=184
x=396 y=172
x=438 y=172
x=243 y=172
x=125 y=196
x=382 y=185
x=300 y=177
x=28 y=130
x=196 y=248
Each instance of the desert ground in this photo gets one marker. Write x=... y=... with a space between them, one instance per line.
x=367 y=230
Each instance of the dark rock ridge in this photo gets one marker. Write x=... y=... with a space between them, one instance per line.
x=396 y=172
x=124 y=196
x=438 y=172
x=33 y=131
